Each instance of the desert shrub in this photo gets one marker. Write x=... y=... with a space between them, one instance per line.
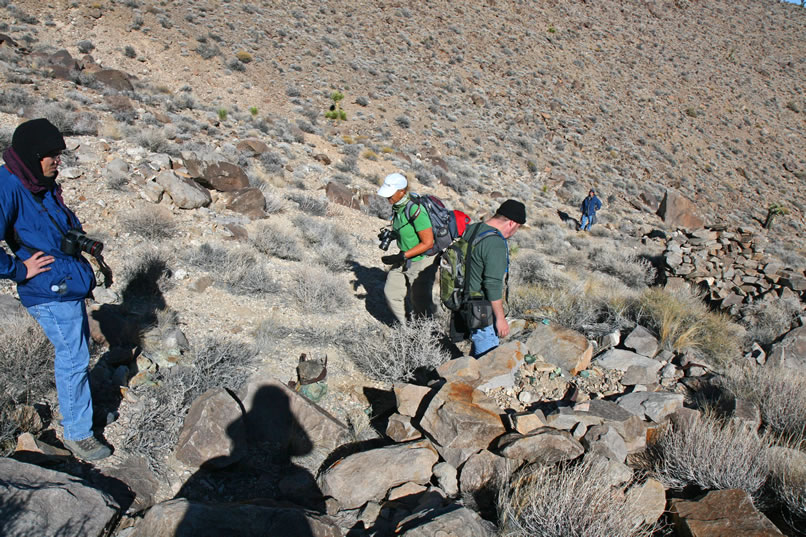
x=403 y=122
x=236 y=65
x=276 y=241
x=779 y=392
x=68 y=121
x=208 y=257
x=208 y=50
x=767 y=319
x=625 y=265
x=243 y=56
x=316 y=290
x=788 y=484
x=129 y=51
x=246 y=275
x=566 y=500
x=710 y=454
x=310 y=204
x=6 y=135
x=272 y=162
x=530 y=267
x=683 y=321
x=272 y=333
x=26 y=358
x=274 y=204
x=152 y=139
x=394 y=354
x=379 y=207
x=150 y=223
x=154 y=422
x=586 y=306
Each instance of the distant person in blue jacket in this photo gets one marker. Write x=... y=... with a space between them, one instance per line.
x=590 y=205
x=53 y=278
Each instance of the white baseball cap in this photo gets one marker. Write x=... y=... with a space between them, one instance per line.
x=392 y=183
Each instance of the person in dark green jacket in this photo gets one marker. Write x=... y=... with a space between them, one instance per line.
x=489 y=265
x=411 y=270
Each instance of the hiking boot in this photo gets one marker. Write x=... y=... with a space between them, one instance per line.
x=89 y=449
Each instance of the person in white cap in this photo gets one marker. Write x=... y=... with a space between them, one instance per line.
x=410 y=268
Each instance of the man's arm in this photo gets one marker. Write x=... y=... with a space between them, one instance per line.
x=501 y=324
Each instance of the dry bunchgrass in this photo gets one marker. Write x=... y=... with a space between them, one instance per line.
x=767 y=319
x=589 y=306
x=567 y=500
x=779 y=392
x=710 y=454
x=683 y=321
x=277 y=241
x=238 y=270
x=394 y=354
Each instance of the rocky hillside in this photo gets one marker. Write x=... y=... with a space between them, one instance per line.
x=240 y=223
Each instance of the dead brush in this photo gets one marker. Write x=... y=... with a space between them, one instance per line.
x=566 y=500
x=710 y=454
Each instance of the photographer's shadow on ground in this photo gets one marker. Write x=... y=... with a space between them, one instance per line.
x=263 y=492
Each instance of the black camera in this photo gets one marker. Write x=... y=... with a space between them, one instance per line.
x=76 y=241
x=386 y=236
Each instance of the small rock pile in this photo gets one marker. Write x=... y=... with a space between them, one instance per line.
x=732 y=265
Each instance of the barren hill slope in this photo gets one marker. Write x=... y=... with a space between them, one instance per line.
x=633 y=96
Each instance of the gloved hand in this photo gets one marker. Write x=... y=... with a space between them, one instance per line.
x=394 y=260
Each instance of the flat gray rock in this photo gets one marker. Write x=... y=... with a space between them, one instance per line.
x=651 y=405
x=38 y=501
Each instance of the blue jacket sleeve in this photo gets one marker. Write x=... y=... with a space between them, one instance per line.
x=11 y=267
x=598 y=203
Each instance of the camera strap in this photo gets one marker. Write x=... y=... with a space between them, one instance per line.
x=16 y=242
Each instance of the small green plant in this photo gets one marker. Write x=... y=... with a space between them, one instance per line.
x=336 y=111
x=772 y=211
x=243 y=56
x=222 y=114
x=253 y=110
x=552 y=29
x=369 y=154
x=531 y=166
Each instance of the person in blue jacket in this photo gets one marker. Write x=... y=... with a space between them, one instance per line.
x=52 y=284
x=590 y=205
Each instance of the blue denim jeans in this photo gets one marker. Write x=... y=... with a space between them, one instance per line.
x=586 y=223
x=66 y=326
x=484 y=340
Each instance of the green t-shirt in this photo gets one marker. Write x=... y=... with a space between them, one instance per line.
x=488 y=263
x=407 y=231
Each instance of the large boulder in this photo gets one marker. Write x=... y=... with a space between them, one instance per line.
x=720 y=513
x=677 y=211
x=248 y=201
x=605 y=441
x=544 y=446
x=183 y=518
x=648 y=501
x=790 y=352
x=496 y=369
x=655 y=406
x=186 y=193
x=213 y=434
x=339 y=193
x=409 y=397
x=562 y=347
x=642 y=341
x=481 y=471
x=462 y=421
x=114 y=79
x=224 y=177
x=278 y=414
x=368 y=475
x=637 y=369
x=38 y=501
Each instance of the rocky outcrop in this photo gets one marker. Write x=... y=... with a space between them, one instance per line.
x=719 y=513
x=186 y=193
x=565 y=348
x=349 y=481
x=37 y=501
x=183 y=518
x=677 y=211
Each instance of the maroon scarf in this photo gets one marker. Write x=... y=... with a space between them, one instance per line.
x=16 y=166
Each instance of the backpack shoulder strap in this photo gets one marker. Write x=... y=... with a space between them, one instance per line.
x=414 y=200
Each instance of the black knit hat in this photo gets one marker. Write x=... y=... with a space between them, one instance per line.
x=514 y=210
x=36 y=139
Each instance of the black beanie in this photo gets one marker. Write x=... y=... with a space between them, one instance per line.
x=514 y=210
x=35 y=139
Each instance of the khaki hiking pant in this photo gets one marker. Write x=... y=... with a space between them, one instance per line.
x=419 y=279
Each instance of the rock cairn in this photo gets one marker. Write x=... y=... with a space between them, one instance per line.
x=731 y=265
